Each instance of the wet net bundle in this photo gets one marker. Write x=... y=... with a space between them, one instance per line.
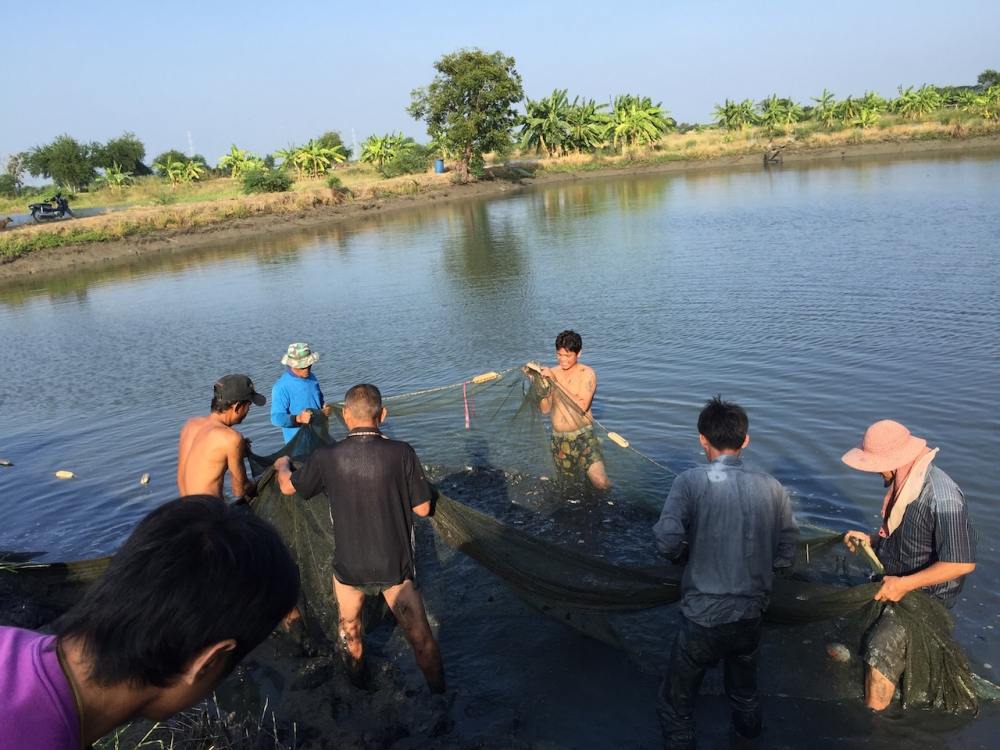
x=514 y=462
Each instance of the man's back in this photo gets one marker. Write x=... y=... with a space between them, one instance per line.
x=738 y=525
x=372 y=483
x=203 y=455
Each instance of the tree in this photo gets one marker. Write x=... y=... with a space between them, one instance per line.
x=238 y=161
x=915 y=104
x=735 y=115
x=127 y=151
x=987 y=79
x=332 y=139
x=11 y=181
x=378 y=150
x=316 y=158
x=172 y=169
x=174 y=155
x=469 y=106
x=635 y=120
x=545 y=126
x=65 y=160
x=587 y=124
x=778 y=112
x=116 y=177
x=825 y=111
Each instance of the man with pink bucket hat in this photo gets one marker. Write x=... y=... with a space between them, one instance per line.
x=925 y=542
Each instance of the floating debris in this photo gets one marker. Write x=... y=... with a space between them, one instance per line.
x=63 y=474
x=144 y=479
x=838 y=652
x=5 y=462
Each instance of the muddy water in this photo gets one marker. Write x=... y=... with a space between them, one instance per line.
x=822 y=298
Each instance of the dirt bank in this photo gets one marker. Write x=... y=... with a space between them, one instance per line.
x=59 y=260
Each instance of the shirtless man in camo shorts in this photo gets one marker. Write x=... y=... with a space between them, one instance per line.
x=575 y=448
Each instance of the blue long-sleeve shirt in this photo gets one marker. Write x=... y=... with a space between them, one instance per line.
x=289 y=397
x=738 y=528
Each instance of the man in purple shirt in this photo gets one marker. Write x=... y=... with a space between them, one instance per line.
x=194 y=589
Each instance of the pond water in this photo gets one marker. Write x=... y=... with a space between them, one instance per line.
x=820 y=297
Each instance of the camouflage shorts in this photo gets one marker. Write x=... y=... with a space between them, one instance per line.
x=885 y=644
x=575 y=452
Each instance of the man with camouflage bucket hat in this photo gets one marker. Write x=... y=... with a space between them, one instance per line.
x=296 y=395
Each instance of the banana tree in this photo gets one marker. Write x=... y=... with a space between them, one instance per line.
x=287 y=156
x=316 y=158
x=636 y=120
x=172 y=169
x=116 y=177
x=586 y=124
x=824 y=111
x=193 y=171
x=238 y=161
x=733 y=115
x=545 y=126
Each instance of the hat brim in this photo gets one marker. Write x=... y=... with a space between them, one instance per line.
x=862 y=460
x=307 y=361
x=258 y=400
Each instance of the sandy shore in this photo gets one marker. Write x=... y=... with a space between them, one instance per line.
x=118 y=253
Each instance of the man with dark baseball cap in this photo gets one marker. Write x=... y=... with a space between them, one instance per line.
x=209 y=446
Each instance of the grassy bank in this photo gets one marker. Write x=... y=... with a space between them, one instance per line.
x=715 y=144
x=152 y=207
x=197 y=206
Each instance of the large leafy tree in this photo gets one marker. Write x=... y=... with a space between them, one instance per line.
x=65 y=160
x=635 y=120
x=987 y=79
x=469 y=106
x=545 y=126
x=127 y=151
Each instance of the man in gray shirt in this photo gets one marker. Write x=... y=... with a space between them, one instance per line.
x=731 y=528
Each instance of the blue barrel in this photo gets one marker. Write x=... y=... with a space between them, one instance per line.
x=439 y=166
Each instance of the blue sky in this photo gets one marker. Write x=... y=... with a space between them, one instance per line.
x=263 y=75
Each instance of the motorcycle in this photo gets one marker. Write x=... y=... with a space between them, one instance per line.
x=56 y=207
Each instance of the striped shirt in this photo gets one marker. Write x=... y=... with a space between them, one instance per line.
x=935 y=528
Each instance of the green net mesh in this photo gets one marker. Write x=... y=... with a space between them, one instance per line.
x=521 y=502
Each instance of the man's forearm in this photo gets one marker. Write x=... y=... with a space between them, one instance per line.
x=939 y=572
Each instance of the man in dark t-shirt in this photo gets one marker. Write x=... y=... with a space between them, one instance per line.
x=374 y=484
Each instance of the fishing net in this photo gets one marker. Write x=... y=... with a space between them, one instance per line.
x=518 y=468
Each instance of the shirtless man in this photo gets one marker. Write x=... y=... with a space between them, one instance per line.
x=209 y=446
x=574 y=445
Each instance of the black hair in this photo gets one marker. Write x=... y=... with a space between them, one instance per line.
x=723 y=424
x=570 y=341
x=194 y=572
x=219 y=406
x=364 y=400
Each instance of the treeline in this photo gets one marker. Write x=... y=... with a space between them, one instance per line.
x=469 y=111
x=775 y=113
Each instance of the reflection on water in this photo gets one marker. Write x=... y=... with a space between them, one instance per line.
x=821 y=297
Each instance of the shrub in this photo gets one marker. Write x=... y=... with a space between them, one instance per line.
x=262 y=180
x=410 y=160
